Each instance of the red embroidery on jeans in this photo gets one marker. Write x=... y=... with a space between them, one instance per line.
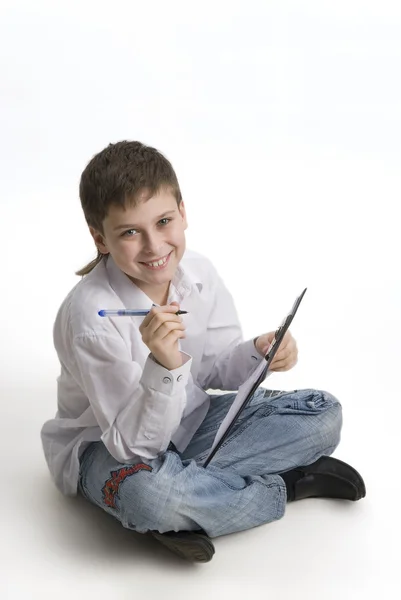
x=110 y=490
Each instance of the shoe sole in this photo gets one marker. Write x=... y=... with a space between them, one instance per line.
x=194 y=549
x=332 y=466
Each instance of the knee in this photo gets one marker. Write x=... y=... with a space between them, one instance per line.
x=330 y=422
x=148 y=502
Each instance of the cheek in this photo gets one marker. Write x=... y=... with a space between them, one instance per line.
x=124 y=248
x=177 y=237
x=179 y=244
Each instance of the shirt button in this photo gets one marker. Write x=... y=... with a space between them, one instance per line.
x=166 y=379
x=179 y=377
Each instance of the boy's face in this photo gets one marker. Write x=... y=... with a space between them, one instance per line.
x=149 y=232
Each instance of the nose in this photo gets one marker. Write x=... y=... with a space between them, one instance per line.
x=153 y=244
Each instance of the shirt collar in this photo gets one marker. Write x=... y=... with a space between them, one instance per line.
x=185 y=280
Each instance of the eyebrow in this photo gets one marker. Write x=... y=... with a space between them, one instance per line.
x=132 y=226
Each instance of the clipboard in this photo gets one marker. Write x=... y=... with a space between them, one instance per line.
x=252 y=383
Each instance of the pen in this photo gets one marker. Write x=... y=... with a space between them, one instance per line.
x=130 y=312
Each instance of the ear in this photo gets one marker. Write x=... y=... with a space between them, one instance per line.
x=183 y=214
x=99 y=240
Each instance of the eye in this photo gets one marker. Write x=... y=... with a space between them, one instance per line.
x=165 y=219
x=128 y=233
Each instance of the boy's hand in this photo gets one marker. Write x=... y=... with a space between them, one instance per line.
x=287 y=354
x=161 y=329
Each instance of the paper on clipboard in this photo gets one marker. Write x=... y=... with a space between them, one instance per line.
x=243 y=392
x=249 y=387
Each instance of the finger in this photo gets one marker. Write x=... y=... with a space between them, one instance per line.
x=268 y=346
x=287 y=341
x=153 y=311
x=158 y=320
x=156 y=310
x=277 y=364
x=283 y=365
x=282 y=355
x=158 y=331
x=289 y=348
x=171 y=338
x=283 y=345
x=175 y=334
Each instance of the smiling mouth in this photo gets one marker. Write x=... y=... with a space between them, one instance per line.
x=157 y=264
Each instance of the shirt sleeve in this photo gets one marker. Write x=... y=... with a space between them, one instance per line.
x=138 y=410
x=227 y=359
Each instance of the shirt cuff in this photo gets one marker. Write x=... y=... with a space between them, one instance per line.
x=160 y=379
x=250 y=355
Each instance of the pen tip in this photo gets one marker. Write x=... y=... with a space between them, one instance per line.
x=101 y=313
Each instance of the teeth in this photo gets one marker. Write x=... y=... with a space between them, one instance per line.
x=158 y=263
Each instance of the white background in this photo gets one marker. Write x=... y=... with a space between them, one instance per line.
x=282 y=120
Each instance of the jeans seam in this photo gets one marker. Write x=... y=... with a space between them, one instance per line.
x=281 y=495
x=234 y=435
x=223 y=482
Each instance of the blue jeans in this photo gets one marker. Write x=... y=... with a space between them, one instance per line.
x=240 y=488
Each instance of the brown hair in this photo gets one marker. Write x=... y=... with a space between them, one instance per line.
x=116 y=176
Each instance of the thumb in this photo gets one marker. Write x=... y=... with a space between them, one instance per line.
x=267 y=341
x=174 y=303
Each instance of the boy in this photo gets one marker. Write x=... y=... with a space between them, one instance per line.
x=135 y=422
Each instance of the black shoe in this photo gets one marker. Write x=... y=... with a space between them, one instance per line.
x=190 y=545
x=326 y=478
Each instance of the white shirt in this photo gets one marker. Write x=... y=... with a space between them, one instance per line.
x=111 y=389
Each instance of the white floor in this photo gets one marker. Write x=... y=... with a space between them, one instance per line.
x=57 y=547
